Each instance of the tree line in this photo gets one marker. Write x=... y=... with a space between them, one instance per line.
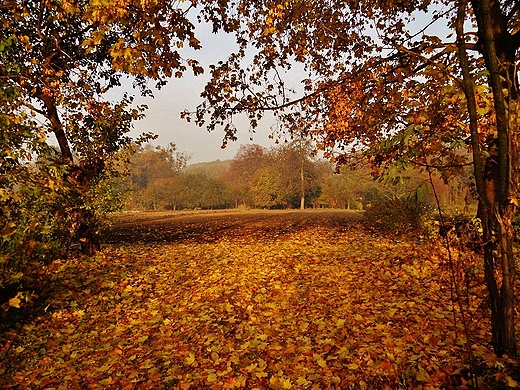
x=286 y=176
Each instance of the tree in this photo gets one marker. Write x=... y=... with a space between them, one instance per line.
x=59 y=58
x=201 y=191
x=348 y=188
x=496 y=162
x=148 y=164
x=268 y=189
x=297 y=172
x=396 y=92
x=248 y=160
x=153 y=176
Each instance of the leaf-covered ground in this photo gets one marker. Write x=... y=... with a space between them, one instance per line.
x=282 y=301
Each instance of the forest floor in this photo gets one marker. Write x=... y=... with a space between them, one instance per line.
x=255 y=299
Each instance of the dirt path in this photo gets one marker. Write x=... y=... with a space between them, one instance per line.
x=210 y=226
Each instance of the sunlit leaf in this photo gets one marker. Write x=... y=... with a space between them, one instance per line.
x=15 y=302
x=190 y=359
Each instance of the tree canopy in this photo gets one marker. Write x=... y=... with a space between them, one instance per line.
x=59 y=59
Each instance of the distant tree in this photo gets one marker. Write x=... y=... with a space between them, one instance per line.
x=153 y=174
x=149 y=163
x=248 y=160
x=462 y=192
x=268 y=188
x=200 y=191
x=350 y=188
x=159 y=194
x=213 y=169
x=215 y=194
x=297 y=171
x=335 y=192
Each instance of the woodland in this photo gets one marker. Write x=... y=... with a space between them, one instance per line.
x=414 y=105
x=283 y=177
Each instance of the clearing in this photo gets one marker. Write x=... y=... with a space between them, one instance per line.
x=255 y=299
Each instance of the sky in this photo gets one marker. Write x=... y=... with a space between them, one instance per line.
x=163 y=114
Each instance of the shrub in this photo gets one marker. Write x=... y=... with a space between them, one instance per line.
x=400 y=214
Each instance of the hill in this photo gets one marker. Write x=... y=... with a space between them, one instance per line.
x=211 y=169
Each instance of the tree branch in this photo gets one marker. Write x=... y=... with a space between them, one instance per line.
x=513 y=11
x=440 y=167
x=429 y=61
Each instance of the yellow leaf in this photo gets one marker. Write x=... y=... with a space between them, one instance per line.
x=322 y=363
x=343 y=352
x=106 y=381
x=251 y=367
x=352 y=366
x=261 y=364
x=212 y=377
x=340 y=322
x=15 y=302
x=422 y=375
x=190 y=359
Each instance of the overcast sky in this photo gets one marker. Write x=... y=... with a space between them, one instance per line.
x=163 y=114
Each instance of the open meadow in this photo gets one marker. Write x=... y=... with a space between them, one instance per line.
x=254 y=299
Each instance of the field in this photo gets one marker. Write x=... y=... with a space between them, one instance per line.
x=255 y=299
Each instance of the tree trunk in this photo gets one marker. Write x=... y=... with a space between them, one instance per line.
x=57 y=127
x=302 y=182
x=86 y=234
x=497 y=192
x=88 y=238
x=498 y=260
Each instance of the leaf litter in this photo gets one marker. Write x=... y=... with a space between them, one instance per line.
x=318 y=307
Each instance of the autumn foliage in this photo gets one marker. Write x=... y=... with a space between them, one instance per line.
x=291 y=300
x=377 y=84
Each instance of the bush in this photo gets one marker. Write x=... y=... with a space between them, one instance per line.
x=43 y=215
x=399 y=214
